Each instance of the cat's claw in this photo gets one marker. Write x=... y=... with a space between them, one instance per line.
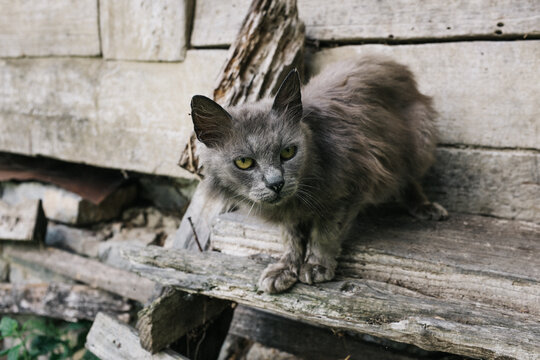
x=429 y=211
x=277 y=278
x=315 y=273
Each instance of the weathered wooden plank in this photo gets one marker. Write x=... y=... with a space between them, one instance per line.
x=68 y=108
x=49 y=27
x=24 y=222
x=486 y=92
x=145 y=30
x=502 y=183
x=66 y=206
x=307 y=341
x=366 y=306
x=61 y=301
x=216 y=23
x=88 y=271
x=473 y=258
x=110 y=339
x=172 y=316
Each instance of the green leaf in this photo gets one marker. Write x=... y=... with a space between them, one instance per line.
x=4 y=352
x=13 y=353
x=38 y=324
x=8 y=326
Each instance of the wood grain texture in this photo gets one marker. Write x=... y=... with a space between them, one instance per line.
x=110 y=339
x=145 y=30
x=501 y=183
x=308 y=341
x=49 y=28
x=378 y=308
x=88 y=271
x=60 y=301
x=68 y=108
x=172 y=316
x=473 y=258
x=216 y=23
x=485 y=92
x=25 y=222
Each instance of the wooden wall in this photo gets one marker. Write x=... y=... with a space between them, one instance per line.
x=109 y=82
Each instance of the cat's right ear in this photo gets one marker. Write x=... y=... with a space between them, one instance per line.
x=210 y=120
x=288 y=98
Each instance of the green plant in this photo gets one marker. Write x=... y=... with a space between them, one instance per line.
x=40 y=336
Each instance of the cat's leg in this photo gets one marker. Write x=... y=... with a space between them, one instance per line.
x=418 y=204
x=282 y=275
x=324 y=246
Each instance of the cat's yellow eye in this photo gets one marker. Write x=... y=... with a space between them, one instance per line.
x=288 y=152
x=244 y=163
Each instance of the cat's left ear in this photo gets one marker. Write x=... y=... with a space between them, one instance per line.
x=211 y=122
x=288 y=98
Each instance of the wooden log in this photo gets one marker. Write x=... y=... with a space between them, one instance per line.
x=110 y=339
x=498 y=75
x=88 y=271
x=49 y=28
x=172 y=316
x=311 y=342
x=145 y=31
x=455 y=317
x=216 y=24
x=472 y=258
x=62 y=301
x=25 y=222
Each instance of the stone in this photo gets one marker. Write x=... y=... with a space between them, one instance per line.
x=22 y=222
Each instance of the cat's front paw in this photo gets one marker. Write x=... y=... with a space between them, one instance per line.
x=429 y=211
x=277 y=278
x=315 y=273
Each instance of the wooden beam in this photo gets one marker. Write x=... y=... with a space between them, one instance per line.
x=25 y=222
x=110 y=339
x=308 y=341
x=473 y=258
x=173 y=315
x=62 y=301
x=216 y=24
x=88 y=271
x=476 y=295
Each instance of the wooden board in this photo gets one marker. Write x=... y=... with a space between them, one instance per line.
x=68 y=108
x=467 y=286
x=172 y=316
x=61 y=301
x=216 y=23
x=501 y=183
x=468 y=257
x=145 y=30
x=486 y=92
x=110 y=339
x=24 y=222
x=308 y=341
x=88 y=271
x=49 y=28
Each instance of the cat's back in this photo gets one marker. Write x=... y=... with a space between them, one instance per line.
x=368 y=77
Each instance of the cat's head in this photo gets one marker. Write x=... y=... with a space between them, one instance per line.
x=255 y=152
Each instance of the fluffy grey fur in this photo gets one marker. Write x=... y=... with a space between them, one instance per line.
x=362 y=132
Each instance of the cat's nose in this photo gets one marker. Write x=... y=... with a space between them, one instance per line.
x=276 y=185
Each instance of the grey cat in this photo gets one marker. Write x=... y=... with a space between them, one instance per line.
x=360 y=133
